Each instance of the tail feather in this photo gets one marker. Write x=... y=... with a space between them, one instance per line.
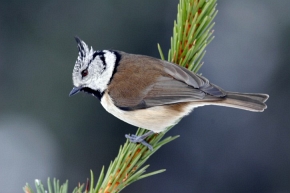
x=255 y=96
x=246 y=101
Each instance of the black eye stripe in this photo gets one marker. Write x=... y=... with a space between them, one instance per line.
x=95 y=54
x=101 y=55
x=104 y=61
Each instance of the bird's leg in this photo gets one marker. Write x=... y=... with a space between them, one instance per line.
x=140 y=139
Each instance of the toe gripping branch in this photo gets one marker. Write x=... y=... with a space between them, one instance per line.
x=140 y=139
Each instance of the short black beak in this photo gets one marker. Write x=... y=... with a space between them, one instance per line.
x=75 y=90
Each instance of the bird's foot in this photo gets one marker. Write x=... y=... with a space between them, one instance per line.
x=140 y=139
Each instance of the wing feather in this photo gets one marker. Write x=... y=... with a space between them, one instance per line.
x=192 y=79
x=146 y=82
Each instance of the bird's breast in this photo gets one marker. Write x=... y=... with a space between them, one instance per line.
x=156 y=118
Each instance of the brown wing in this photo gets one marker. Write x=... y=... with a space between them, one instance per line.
x=143 y=82
x=182 y=74
x=167 y=90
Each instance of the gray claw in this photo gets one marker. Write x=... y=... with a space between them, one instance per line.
x=140 y=139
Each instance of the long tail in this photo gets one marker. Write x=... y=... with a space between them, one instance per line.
x=246 y=101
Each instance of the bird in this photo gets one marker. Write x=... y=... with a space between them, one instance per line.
x=148 y=92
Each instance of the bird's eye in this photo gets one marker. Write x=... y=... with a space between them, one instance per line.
x=84 y=73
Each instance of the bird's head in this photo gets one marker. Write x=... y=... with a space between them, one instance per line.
x=93 y=69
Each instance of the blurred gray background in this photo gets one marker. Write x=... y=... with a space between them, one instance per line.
x=45 y=133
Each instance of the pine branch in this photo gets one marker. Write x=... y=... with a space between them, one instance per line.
x=192 y=32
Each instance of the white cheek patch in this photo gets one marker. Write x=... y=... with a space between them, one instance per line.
x=96 y=66
x=110 y=59
x=101 y=82
x=100 y=69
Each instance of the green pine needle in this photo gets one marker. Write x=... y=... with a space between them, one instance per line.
x=52 y=188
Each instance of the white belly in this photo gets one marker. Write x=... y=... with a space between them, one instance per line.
x=155 y=118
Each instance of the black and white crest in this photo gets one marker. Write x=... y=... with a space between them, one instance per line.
x=93 y=69
x=84 y=54
x=81 y=46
